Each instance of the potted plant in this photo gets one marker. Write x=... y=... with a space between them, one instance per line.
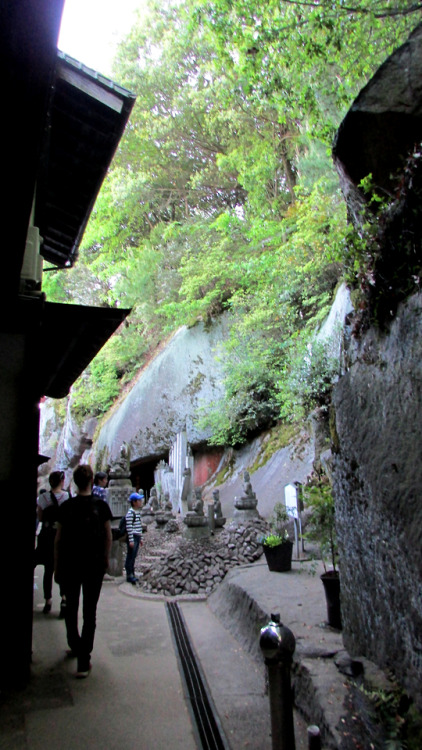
x=277 y=545
x=321 y=528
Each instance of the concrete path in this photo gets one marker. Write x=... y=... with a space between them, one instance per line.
x=236 y=682
x=135 y=696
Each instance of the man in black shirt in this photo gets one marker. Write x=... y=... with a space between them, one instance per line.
x=82 y=548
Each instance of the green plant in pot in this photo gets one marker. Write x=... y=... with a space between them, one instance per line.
x=277 y=545
x=321 y=529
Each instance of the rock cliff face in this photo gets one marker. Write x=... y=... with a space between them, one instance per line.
x=292 y=463
x=378 y=480
x=64 y=442
x=164 y=401
x=183 y=376
x=377 y=436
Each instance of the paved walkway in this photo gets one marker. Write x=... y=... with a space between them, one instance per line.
x=135 y=696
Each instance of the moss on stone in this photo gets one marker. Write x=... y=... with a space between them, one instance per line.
x=60 y=408
x=102 y=459
x=280 y=436
x=194 y=385
x=226 y=472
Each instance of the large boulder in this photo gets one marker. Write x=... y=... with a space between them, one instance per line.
x=377 y=429
x=382 y=126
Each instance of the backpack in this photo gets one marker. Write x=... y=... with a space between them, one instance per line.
x=83 y=532
x=121 y=531
x=50 y=515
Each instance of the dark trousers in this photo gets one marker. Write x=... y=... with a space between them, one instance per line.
x=89 y=582
x=131 y=556
x=47 y=581
x=44 y=555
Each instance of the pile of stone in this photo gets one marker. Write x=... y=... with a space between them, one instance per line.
x=197 y=567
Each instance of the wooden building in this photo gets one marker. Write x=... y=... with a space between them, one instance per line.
x=61 y=125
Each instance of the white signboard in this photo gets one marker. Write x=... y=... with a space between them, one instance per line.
x=291 y=500
x=292 y=503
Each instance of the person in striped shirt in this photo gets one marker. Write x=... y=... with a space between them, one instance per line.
x=134 y=534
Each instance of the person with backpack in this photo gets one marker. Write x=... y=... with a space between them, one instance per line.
x=82 y=549
x=47 y=513
x=134 y=534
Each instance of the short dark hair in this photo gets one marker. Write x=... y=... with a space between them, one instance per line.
x=83 y=476
x=56 y=477
x=99 y=476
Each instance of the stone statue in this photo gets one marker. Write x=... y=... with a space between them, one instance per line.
x=195 y=520
x=219 y=519
x=218 y=513
x=248 y=498
x=245 y=505
x=123 y=460
x=147 y=512
x=248 y=492
x=168 y=505
x=153 y=500
x=120 y=466
x=119 y=474
x=198 y=507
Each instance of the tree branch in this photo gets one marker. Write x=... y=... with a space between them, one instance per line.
x=382 y=13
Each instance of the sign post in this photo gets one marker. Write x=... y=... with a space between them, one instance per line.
x=292 y=503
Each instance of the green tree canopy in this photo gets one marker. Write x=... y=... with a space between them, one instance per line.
x=222 y=196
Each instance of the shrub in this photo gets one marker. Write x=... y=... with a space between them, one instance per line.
x=321 y=526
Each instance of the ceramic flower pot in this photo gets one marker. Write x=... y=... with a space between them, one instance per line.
x=279 y=558
x=331 y=583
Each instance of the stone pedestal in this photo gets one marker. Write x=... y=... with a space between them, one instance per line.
x=148 y=517
x=117 y=553
x=245 y=514
x=162 y=517
x=118 y=499
x=196 y=523
x=195 y=520
x=117 y=495
x=120 y=485
x=196 y=526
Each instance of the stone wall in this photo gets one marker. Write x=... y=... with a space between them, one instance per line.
x=377 y=483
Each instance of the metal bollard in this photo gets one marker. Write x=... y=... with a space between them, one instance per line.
x=277 y=645
x=314 y=738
